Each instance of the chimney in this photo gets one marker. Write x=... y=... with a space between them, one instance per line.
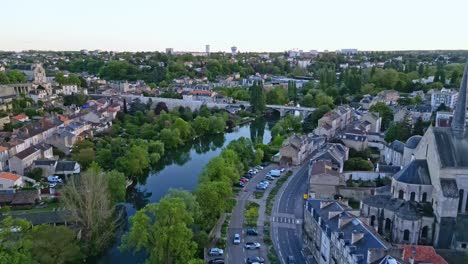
x=356 y=236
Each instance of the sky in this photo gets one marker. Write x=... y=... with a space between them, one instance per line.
x=251 y=25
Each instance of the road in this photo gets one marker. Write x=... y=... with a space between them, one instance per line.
x=236 y=254
x=287 y=217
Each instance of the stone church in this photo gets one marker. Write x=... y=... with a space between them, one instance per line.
x=428 y=200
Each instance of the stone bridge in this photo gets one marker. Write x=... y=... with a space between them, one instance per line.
x=195 y=105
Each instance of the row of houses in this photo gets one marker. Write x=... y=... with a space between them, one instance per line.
x=32 y=145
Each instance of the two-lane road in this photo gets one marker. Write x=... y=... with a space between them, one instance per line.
x=287 y=237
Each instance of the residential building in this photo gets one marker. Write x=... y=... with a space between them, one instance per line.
x=413 y=113
x=448 y=97
x=69 y=89
x=394 y=153
x=8 y=181
x=297 y=148
x=333 y=122
x=335 y=234
x=24 y=159
x=324 y=179
x=355 y=138
x=334 y=152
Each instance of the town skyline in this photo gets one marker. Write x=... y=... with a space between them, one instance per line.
x=257 y=27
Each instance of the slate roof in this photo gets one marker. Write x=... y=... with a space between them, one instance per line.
x=26 y=153
x=413 y=141
x=65 y=165
x=44 y=162
x=452 y=150
x=369 y=240
x=397 y=146
x=449 y=188
x=416 y=172
x=403 y=209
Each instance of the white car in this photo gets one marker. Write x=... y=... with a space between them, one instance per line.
x=216 y=252
x=252 y=245
x=237 y=239
x=52 y=185
x=53 y=178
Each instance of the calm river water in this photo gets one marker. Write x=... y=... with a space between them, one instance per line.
x=180 y=169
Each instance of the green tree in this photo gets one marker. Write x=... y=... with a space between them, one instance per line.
x=84 y=157
x=116 y=183
x=398 y=131
x=134 y=163
x=257 y=98
x=308 y=101
x=13 y=247
x=88 y=200
x=385 y=112
x=358 y=164
x=213 y=200
x=185 y=130
x=201 y=125
x=292 y=91
x=276 y=96
x=162 y=229
x=46 y=238
x=171 y=138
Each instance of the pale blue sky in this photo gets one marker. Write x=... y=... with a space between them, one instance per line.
x=251 y=25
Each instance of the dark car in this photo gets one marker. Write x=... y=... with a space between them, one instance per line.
x=251 y=260
x=291 y=260
x=216 y=261
x=252 y=232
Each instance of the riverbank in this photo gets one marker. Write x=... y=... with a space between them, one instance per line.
x=180 y=169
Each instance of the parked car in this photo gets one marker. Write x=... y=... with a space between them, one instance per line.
x=216 y=252
x=267 y=183
x=216 y=261
x=282 y=169
x=264 y=164
x=52 y=185
x=53 y=178
x=291 y=260
x=251 y=260
x=241 y=184
x=237 y=239
x=244 y=180
x=275 y=173
x=259 y=168
x=268 y=177
x=261 y=187
x=252 y=232
x=252 y=245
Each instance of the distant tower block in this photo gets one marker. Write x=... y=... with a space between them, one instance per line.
x=207 y=49
x=233 y=51
x=169 y=51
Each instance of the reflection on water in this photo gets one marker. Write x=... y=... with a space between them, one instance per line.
x=180 y=168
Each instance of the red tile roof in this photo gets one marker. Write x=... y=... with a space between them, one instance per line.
x=422 y=254
x=201 y=92
x=20 y=117
x=9 y=176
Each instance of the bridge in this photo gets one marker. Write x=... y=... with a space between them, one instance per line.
x=195 y=105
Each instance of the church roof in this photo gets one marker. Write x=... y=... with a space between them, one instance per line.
x=397 y=146
x=403 y=209
x=413 y=141
x=416 y=172
x=452 y=150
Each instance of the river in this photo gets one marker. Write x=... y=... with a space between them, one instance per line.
x=180 y=169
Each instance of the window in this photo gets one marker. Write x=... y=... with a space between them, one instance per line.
x=413 y=196
x=1 y=186
x=424 y=232
x=401 y=194
x=460 y=199
x=406 y=235
x=388 y=224
x=372 y=221
x=463 y=245
x=424 y=197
